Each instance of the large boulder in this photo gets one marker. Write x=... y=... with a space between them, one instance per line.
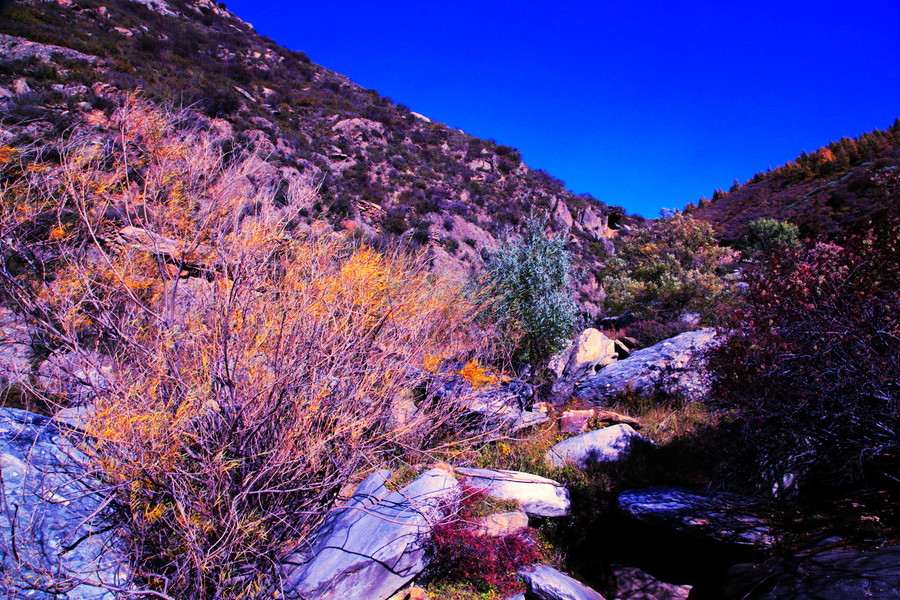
x=375 y=544
x=720 y=517
x=546 y=583
x=56 y=538
x=599 y=446
x=537 y=496
x=673 y=367
x=823 y=575
x=581 y=359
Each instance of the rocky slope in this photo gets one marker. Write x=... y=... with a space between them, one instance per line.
x=380 y=169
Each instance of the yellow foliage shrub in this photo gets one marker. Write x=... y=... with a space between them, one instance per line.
x=246 y=395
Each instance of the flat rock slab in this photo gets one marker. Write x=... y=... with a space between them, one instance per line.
x=671 y=367
x=375 y=544
x=546 y=583
x=537 y=496
x=595 y=447
x=55 y=534
x=721 y=517
x=826 y=575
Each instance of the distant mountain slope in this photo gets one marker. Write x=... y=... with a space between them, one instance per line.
x=833 y=190
x=380 y=168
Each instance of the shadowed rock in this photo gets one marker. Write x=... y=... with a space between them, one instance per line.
x=55 y=538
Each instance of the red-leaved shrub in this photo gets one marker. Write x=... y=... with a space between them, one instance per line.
x=813 y=364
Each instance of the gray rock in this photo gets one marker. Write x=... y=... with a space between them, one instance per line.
x=599 y=446
x=722 y=517
x=590 y=350
x=546 y=583
x=537 y=496
x=375 y=544
x=502 y=524
x=671 y=367
x=75 y=377
x=12 y=47
x=824 y=575
x=56 y=539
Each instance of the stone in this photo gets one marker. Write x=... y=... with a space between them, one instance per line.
x=20 y=86
x=822 y=575
x=599 y=446
x=56 y=539
x=502 y=524
x=722 y=517
x=17 y=48
x=537 y=496
x=546 y=583
x=590 y=350
x=673 y=367
x=15 y=349
x=635 y=584
x=375 y=544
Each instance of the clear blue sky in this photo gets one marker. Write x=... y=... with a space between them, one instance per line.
x=644 y=104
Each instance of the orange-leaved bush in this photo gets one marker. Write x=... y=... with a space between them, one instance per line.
x=256 y=368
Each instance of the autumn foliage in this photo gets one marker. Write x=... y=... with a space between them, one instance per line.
x=257 y=367
x=813 y=364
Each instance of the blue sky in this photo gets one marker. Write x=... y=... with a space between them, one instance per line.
x=643 y=104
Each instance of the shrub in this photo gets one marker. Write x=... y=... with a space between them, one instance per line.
x=660 y=272
x=531 y=274
x=813 y=363
x=765 y=235
x=461 y=553
x=241 y=400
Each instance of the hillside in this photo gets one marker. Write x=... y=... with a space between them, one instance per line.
x=832 y=191
x=378 y=167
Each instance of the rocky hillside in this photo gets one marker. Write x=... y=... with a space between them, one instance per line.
x=379 y=168
x=836 y=189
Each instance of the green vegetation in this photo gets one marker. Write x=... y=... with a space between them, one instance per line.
x=532 y=276
x=661 y=272
x=765 y=235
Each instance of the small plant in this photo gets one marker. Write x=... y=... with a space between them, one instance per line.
x=764 y=236
x=461 y=553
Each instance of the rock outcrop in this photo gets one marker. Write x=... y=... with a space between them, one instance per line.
x=15 y=349
x=599 y=446
x=673 y=367
x=537 y=496
x=375 y=544
x=587 y=352
x=56 y=537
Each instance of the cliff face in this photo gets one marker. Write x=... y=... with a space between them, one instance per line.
x=379 y=168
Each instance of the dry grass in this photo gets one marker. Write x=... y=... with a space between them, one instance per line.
x=243 y=396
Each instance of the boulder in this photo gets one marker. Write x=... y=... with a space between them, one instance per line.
x=673 y=367
x=546 y=583
x=502 y=524
x=823 y=575
x=599 y=446
x=373 y=545
x=590 y=350
x=55 y=532
x=721 y=517
x=537 y=496
x=75 y=377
